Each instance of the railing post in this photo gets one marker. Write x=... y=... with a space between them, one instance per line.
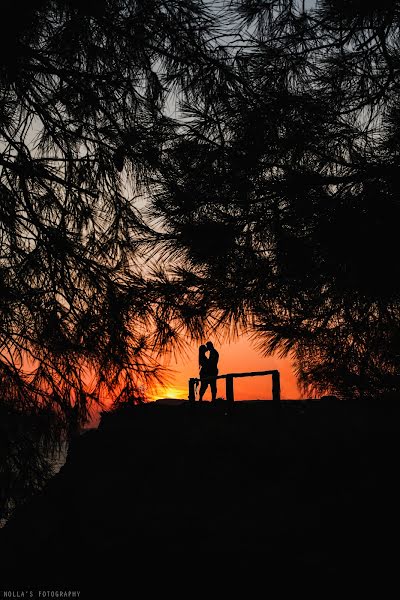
x=192 y=383
x=229 y=390
x=276 y=387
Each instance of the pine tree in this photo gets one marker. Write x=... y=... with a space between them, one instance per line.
x=85 y=103
x=282 y=194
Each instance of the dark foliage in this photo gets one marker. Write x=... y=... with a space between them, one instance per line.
x=84 y=93
x=283 y=193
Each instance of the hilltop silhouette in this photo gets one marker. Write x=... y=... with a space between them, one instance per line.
x=312 y=486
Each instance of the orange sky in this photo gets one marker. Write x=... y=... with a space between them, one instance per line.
x=235 y=357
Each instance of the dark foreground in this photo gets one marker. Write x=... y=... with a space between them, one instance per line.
x=311 y=486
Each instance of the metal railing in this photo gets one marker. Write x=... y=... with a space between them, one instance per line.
x=229 y=377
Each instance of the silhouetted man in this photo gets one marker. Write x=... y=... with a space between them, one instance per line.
x=212 y=368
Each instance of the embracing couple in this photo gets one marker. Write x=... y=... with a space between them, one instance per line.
x=208 y=368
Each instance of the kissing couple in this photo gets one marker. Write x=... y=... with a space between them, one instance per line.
x=208 y=368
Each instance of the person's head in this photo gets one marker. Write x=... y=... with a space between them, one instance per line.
x=202 y=354
x=209 y=346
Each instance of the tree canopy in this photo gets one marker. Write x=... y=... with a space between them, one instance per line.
x=282 y=193
x=84 y=93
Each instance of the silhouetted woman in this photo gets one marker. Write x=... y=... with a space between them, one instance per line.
x=204 y=371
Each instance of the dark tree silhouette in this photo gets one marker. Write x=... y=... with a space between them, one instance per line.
x=283 y=192
x=85 y=97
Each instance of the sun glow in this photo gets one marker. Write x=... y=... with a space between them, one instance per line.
x=169 y=392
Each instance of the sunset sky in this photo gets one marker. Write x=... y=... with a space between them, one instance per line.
x=235 y=357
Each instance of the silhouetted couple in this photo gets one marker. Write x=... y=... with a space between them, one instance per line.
x=208 y=368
